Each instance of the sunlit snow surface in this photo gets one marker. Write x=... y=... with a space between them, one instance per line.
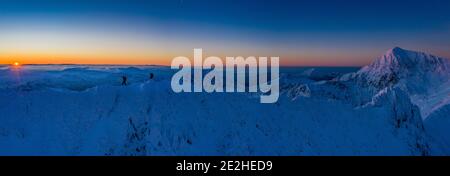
x=84 y=110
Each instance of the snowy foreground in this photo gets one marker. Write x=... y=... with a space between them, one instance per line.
x=398 y=105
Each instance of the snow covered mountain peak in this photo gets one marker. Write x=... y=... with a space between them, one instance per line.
x=397 y=51
x=398 y=60
x=399 y=64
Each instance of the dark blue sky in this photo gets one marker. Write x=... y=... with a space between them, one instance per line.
x=341 y=32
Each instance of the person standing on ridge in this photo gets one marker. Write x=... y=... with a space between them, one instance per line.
x=124 y=80
x=151 y=76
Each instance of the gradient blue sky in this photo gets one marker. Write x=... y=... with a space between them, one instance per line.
x=306 y=33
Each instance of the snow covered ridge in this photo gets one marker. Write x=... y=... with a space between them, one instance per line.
x=75 y=77
x=84 y=110
x=425 y=77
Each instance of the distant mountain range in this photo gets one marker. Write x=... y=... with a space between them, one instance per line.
x=398 y=105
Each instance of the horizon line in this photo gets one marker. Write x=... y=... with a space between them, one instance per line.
x=75 y=64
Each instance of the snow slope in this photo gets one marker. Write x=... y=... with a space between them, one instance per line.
x=144 y=119
x=437 y=125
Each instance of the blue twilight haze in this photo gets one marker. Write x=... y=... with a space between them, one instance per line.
x=152 y=32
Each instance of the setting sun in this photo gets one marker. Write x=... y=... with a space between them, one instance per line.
x=16 y=64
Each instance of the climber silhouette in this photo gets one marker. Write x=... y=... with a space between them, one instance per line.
x=151 y=76
x=124 y=80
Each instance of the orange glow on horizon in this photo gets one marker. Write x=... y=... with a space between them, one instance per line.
x=164 y=60
x=89 y=59
x=164 y=57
